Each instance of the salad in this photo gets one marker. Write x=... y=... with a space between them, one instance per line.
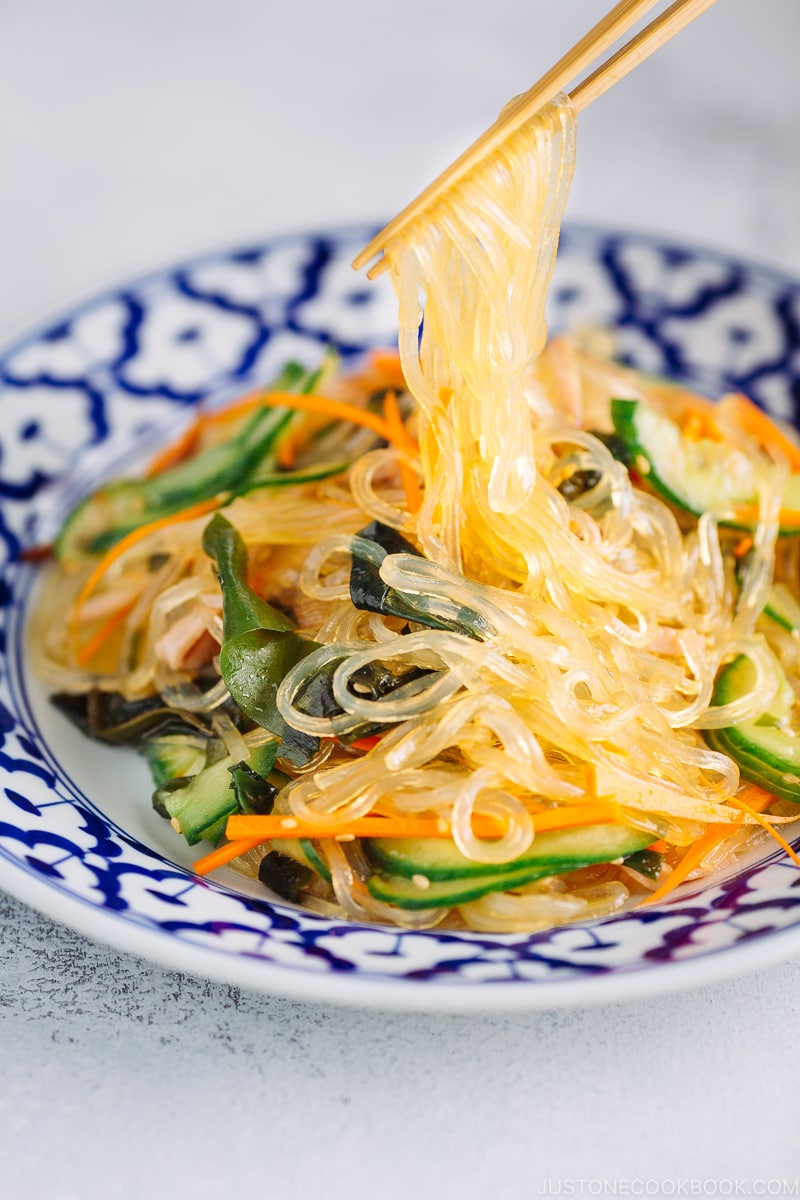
x=491 y=631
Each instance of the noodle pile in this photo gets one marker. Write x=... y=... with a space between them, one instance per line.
x=601 y=621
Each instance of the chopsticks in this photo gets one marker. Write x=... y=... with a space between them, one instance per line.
x=596 y=42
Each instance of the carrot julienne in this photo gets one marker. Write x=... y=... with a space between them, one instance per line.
x=176 y=451
x=89 y=648
x=247 y=832
x=126 y=543
x=766 y=825
x=387 y=363
x=713 y=835
x=391 y=412
x=225 y=854
x=338 y=410
x=752 y=513
x=764 y=430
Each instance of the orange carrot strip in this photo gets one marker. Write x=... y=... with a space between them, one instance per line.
x=88 y=650
x=240 y=826
x=712 y=836
x=659 y=846
x=391 y=412
x=787 y=517
x=697 y=418
x=743 y=546
x=766 y=825
x=336 y=409
x=387 y=363
x=176 y=451
x=225 y=854
x=248 y=832
x=758 y=799
x=287 y=449
x=124 y=544
x=763 y=429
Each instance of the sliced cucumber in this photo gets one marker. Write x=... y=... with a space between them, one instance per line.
x=782 y=608
x=102 y=519
x=693 y=474
x=559 y=850
x=304 y=852
x=646 y=862
x=419 y=893
x=171 y=756
x=766 y=749
x=202 y=804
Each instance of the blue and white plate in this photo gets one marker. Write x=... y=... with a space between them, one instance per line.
x=78 y=838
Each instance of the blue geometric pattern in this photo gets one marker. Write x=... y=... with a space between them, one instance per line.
x=114 y=370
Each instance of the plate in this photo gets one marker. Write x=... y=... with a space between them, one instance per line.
x=77 y=837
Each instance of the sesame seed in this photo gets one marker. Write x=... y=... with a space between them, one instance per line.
x=345 y=837
x=289 y=823
x=421 y=881
x=176 y=825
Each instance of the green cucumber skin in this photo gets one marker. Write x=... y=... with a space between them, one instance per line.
x=559 y=850
x=404 y=893
x=304 y=852
x=203 y=806
x=173 y=757
x=755 y=749
x=782 y=608
x=752 y=766
x=623 y=415
x=315 y=859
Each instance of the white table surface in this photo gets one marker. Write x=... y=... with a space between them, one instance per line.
x=134 y=134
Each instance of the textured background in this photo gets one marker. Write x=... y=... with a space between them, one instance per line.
x=133 y=134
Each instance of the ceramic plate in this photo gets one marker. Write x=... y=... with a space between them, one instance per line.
x=78 y=839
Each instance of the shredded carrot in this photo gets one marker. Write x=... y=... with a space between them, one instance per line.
x=289 y=444
x=697 y=425
x=176 y=451
x=335 y=409
x=763 y=429
x=738 y=803
x=403 y=440
x=387 y=364
x=596 y=812
x=225 y=854
x=247 y=832
x=757 y=799
x=659 y=846
x=713 y=835
x=788 y=518
x=88 y=650
x=743 y=546
x=124 y=544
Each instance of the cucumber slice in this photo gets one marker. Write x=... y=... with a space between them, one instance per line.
x=766 y=749
x=407 y=893
x=171 y=756
x=304 y=852
x=782 y=608
x=202 y=804
x=646 y=862
x=694 y=475
x=558 y=850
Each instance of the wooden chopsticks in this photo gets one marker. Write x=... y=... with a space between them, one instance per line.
x=597 y=41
